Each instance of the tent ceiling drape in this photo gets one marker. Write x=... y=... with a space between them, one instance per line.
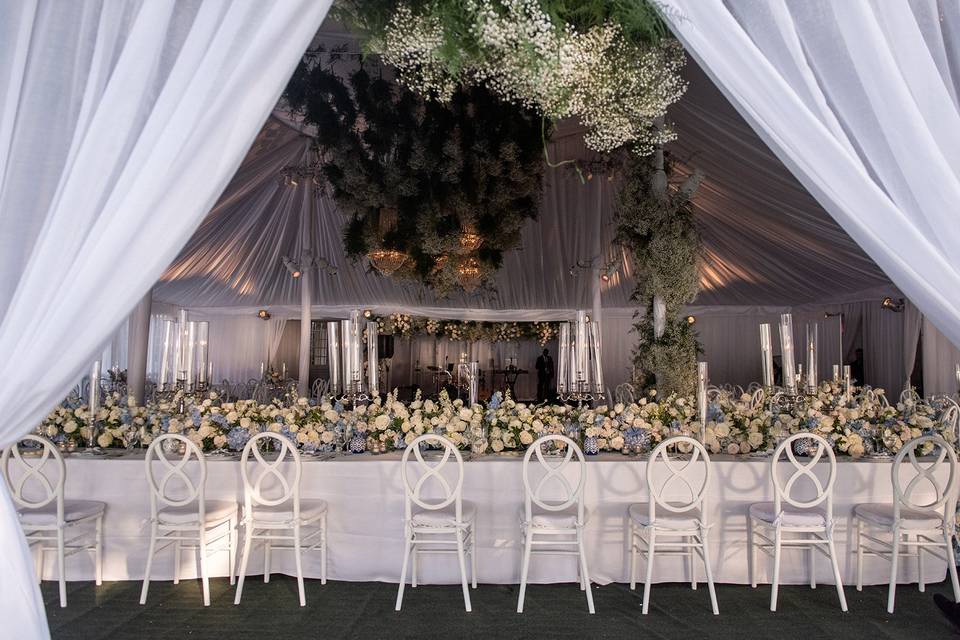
x=766 y=240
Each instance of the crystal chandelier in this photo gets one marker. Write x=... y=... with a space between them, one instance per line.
x=469 y=273
x=387 y=261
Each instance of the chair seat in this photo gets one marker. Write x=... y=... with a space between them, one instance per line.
x=215 y=511
x=564 y=519
x=445 y=517
x=73 y=510
x=310 y=510
x=882 y=515
x=664 y=519
x=790 y=516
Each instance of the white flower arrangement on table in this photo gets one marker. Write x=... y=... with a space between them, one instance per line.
x=861 y=426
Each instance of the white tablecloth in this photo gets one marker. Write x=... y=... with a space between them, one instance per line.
x=365 y=520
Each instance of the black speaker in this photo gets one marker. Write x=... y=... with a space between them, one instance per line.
x=385 y=346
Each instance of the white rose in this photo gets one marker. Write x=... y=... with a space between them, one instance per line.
x=497 y=446
x=526 y=438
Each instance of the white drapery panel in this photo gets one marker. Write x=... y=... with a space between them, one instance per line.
x=940 y=359
x=120 y=124
x=858 y=100
x=912 y=325
x=275 y=328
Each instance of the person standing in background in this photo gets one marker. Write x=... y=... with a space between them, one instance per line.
x=544 y=375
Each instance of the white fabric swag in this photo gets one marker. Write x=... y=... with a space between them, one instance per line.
x=120 y=124
x=859 y=101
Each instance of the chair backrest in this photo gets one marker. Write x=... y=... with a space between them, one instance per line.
x=625 y=393
x=554 y=473
x=29 y=472
x=270 y=472
x=753 y=386
x=786 y=492
x=678 y=471
x=174 y=485
x=757 y=399
x=413 y=486
x=909 y=395
x=950 y=419
x=946 y=492
x=714 y=393
x=319 y=388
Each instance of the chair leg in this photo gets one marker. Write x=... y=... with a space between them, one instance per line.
x=473 y=557
x=750 y=554
x=633 y=557
x=176 y=558
x=952 y=566
x=463 y=571
x=525 y=568
x=692 y=564
x=894 y=558
x=709 y=571
x=584 y=571
x=651 y=541
x=415 y=560
x=297 y=551
x=774 y=587
x=859 y=543
x=403 y=572
x=244 y=557
x=232 y=549
x=204 y=578
x=812 y=561
x=920 y=582
x=323 y=549
x=146 y=574
x=98 y=551
x=266 y=562
x=60 y=568
x=38 y=564
x=836 y=572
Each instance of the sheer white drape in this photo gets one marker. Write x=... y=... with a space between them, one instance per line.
x=940 y=359
x=120 y=124
x=912 y=323
x=275 y=327
x=859 y=102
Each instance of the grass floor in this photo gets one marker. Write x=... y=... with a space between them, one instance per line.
x=365 y=610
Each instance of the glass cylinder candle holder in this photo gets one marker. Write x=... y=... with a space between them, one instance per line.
x=563 y=367
x=812 y=339
x=373 y=360
x=702 y=398
x=766 y=355
x=786 y=354
x=333 y=356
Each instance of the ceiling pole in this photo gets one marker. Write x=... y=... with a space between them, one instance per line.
x=306 y=290
x=659 y=187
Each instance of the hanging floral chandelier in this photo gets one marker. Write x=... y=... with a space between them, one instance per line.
x=469 y=274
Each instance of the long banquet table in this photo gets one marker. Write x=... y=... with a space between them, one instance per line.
x=365 y=520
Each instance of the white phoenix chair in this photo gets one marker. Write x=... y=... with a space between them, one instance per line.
x=757 y=399
x=442 y=525
x=950 y=419
x=683 y=523
x=930 y=523
x=811 y=521
x=909 y=395
x=625 y=393
x=45 y=516
x=554 y=524
x=180 y=514
x=273 y=512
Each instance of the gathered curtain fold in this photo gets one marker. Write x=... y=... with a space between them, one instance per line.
x=120 y=124
x=860 y=101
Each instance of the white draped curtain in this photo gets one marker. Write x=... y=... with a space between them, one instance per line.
x=860 y=101
x=120 y=124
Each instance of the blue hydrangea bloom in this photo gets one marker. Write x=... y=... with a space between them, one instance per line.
x=237 y=438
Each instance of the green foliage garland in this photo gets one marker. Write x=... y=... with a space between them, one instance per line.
x=655 y=223
x=414 y=174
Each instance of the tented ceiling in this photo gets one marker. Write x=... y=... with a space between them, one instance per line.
x=766 y=241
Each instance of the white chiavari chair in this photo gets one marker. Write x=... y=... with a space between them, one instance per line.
x=180 y=515
x=796 y=522
x=319 y=389
x=274 y=513
x=927 y=525
x=673 y=527
x=441 y=525
x=554 y=524
x=45 y=516
x=950 y=419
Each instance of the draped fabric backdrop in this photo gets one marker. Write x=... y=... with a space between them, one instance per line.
x=860 y=101
x=120 y=124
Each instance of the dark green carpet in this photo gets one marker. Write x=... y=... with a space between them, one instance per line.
x=365 y=610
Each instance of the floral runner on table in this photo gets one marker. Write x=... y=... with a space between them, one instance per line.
x=863 y=425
